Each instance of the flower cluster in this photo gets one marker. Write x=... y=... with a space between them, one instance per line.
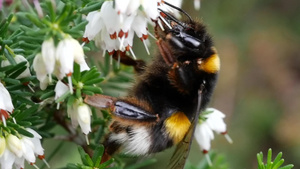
x=113 y=27
x=211 y=121
x=15 y=150
x=58 y=60
x=79 y=112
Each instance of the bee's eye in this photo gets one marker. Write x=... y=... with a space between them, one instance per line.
x=191 y=42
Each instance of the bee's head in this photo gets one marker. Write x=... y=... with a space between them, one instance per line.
x=190 y=44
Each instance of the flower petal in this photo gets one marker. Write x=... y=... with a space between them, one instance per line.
x=5 y=99
x=84 y=118
x=60 y=89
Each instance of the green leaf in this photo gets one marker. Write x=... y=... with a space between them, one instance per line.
x=15 y=87
x=94 y=81
x=289 y=166
x=277 y=158
x=99 y=134
x=35 y=20
x=11 y=81
x=13 y=68
x=98 y=154
x=9 y=57
x=71 y=100
x=90 y=8
x=89 y=160
x=29 y=45
x=76 y=73
x=89 y=74
x=24 y=123
x=63 y=97
x=25 y=132
x=83 y=155
x=18 y=72
x=48 y=94
x=80 y=26
x=142 y=164
x=87 y=92
x=65 y=13
x=26 y=113
x=260 y=160
x=31 y=38
x=106 y=163
x=92 y=89
x=278 y=164
x=269 y=159
x=51 y=10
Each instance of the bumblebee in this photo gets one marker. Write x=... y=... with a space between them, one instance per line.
x=163 y=106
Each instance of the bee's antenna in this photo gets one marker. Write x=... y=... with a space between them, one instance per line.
x=180 y=10
x=172 y=17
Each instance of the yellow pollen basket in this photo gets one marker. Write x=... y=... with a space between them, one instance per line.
x=177 y=126
x=211 y=64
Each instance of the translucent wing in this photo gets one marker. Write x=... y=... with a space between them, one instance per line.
x=182 y=150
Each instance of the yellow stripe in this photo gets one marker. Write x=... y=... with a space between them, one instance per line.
x=211 y=64
x=177 y=126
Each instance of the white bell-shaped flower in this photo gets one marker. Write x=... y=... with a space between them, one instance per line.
x=5 y=99
x=14 y=144
x=48 y=55
x=17 y=150
x=80 y=114
x=41 y=73
x=94 y=26
x=2 y=145
x=60 y=89
x=204 y=129
x=84 y=118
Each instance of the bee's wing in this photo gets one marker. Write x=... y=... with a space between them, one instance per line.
x=182 y=150
x=121 y=109
x=100 y=101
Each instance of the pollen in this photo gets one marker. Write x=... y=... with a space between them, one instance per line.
x=177 y=126
x=210 y=64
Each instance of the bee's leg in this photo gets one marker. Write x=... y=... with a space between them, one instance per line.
x=165 y=52
x=138 y=65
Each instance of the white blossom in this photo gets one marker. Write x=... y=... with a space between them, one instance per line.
x=2 y=145
x=111 y=26
x=204 y=130
x=58 y=60
x=5 y=99
x=84 y=118
x=48 y=55
x=113 y=29
x=15 y=150
x=39 y=67
x=6 y=105
x=80 y=114
x=60 y=89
